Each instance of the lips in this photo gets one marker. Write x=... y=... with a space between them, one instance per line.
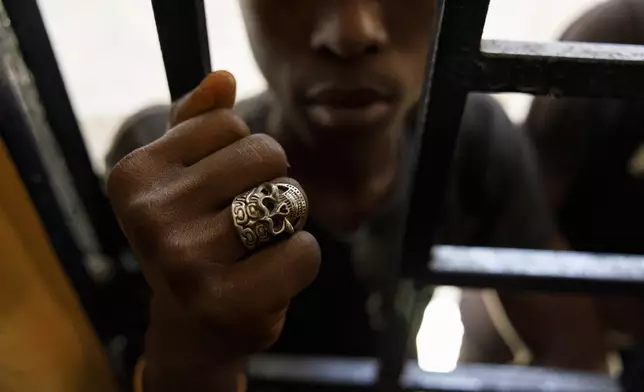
x=330 y=106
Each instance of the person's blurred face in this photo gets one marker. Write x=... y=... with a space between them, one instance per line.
x=350 y=66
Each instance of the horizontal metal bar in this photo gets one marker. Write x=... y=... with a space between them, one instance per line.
x=597 y=52
x=537 y=270
x=362 y=373
x=561 y=69
x=183 y=35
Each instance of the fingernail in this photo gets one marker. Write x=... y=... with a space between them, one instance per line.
x=225 y=74
x=213 y=78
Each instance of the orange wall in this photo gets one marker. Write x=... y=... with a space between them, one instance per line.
x=46 y=343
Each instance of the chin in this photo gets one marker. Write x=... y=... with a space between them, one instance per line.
x=348 y=132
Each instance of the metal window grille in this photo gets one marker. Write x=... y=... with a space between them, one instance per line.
x=460 y=63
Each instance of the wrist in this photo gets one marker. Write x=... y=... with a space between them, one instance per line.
x=181 y=356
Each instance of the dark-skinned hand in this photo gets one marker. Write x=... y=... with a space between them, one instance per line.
x=214 y=302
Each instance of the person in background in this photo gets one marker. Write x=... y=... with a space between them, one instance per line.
x=591 y=152
x=337 y=121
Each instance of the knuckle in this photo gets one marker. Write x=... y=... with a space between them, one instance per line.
x=225 y=123
x=176 y=249
x=233 y=123
x=146 y=223
x=212 y=306
x=126 y=176
x=306 y=256
x=182 y=263
x=263 y=335
x=142 y=207
x=219 y=127
x=221 y=303
x=307 y=245
x=121 y=172
x=264 y=149
x=182 y=247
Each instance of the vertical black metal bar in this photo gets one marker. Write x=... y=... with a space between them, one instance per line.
x=444 y=101
x=450 y=73
x=39 y=57
x=181 y=25
x=19 y=142
x=395 y=339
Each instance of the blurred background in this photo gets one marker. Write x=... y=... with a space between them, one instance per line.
x=111 y=61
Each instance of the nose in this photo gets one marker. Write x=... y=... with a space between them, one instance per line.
x=350 y=29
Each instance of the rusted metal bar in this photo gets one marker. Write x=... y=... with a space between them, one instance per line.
x=560 y=69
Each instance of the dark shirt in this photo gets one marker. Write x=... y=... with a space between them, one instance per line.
x=494 y=199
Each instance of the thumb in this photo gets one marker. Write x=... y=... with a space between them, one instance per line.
x=216 y=91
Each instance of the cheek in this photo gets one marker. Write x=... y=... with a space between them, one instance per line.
x=410 y=24
x=278 y=25
x=413 y=67
x=278 y=32
x=410 y=29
